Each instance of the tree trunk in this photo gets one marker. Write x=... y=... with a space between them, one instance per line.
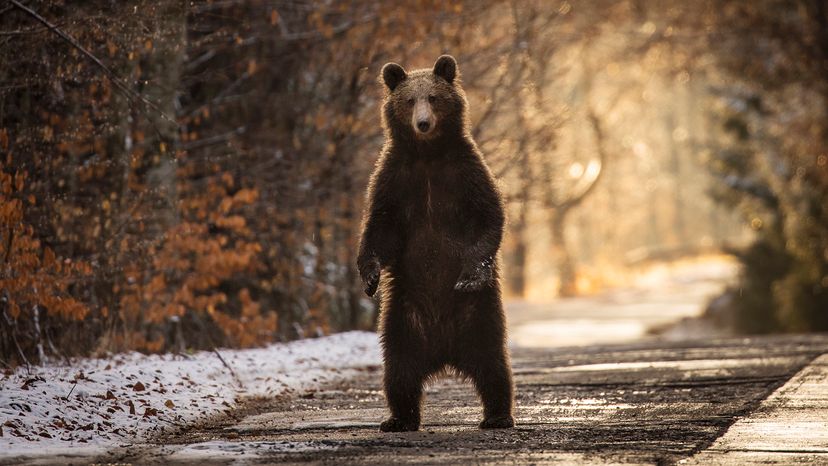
x=352 y=280
x=679 y=225
x=516 y=263
x=562 y=255
x=163 y=69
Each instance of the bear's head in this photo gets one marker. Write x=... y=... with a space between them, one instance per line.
x=424 y=104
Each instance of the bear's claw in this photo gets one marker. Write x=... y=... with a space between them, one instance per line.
x=475 y=276
x=369 y=272
x=393 y=424
x=469 y=284
x=500 y=422
x=371 y=283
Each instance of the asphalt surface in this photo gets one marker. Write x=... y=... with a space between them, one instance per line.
x=643 y=403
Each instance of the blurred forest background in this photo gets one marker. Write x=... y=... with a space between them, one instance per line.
x=179 y=175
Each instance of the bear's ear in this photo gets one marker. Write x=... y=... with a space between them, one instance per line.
x=446 y=68
x=392 y=75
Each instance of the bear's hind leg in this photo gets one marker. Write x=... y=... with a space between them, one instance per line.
x=481 y=355
x=493 y=381
x=403 y=392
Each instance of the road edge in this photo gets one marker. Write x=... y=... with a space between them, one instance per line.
x=790 y=426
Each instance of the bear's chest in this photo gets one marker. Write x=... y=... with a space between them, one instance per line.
x=434 y=202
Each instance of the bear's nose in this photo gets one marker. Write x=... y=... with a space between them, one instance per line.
x=423 y=126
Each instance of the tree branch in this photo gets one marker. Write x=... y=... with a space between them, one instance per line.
x=576 y=199
x=119 y=83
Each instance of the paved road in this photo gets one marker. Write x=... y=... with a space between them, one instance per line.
x=645 y=403
x=657 y=299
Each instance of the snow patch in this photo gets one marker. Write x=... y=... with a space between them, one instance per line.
x=94 y=405
x=216 y=450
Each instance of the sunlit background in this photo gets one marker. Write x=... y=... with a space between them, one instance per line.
x=178 y=176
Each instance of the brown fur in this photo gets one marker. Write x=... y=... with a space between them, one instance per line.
x=432 y=229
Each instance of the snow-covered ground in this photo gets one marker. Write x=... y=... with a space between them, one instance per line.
x=93 y=405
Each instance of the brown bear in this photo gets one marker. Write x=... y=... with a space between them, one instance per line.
x=432 y=229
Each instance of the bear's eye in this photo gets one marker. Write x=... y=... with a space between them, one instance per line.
x=410 y=101
x=431 y=99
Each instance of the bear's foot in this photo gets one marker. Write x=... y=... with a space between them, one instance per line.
x=393 y=424
x=498 y=422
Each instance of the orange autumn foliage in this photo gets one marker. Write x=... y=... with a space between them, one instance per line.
x=189 y=267
x=31 y=275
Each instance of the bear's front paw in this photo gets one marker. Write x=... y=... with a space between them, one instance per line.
x=498 y=422
x=475 y=276
x=369 y=272
x=393 y=424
